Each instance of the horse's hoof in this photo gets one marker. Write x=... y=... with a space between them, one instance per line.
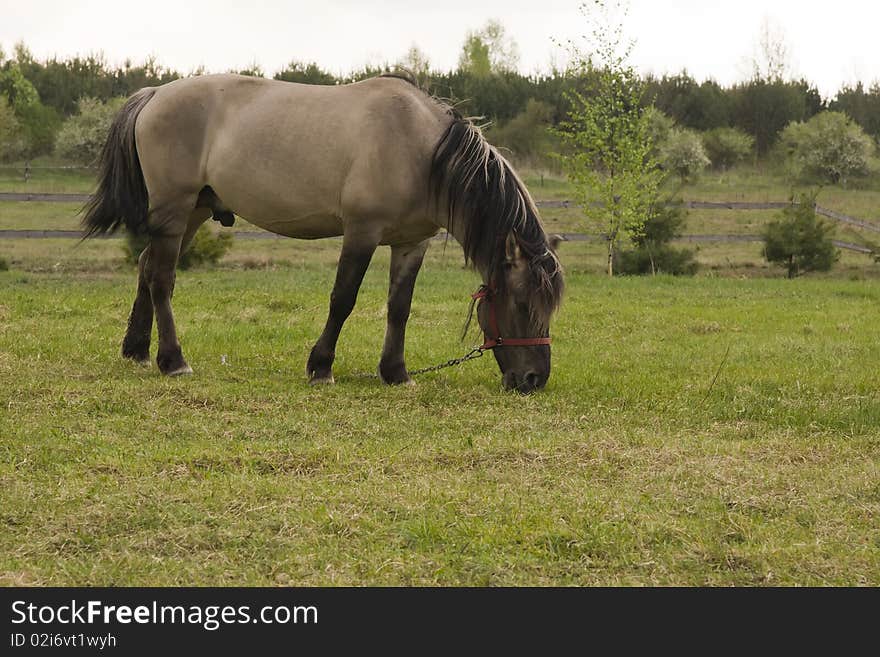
x=146 y=363
x=321 y=380
x=396 y=376
x=186 y=370
x=397 y=382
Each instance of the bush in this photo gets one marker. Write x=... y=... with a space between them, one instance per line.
x=727 y=146
x=683 y=153
x=82 y=136
x=652 y=253
x=207 y=247
x=4 y=264
x=660 y=126
x=829 y=146
x=799 y=240
x=527 y=135
x=35 y=124
x=13 y=144
x=662 y=259
x=40 y=125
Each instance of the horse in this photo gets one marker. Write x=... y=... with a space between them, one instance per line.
x=378 y=162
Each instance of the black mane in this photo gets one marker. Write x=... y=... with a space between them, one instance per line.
x=479 y=187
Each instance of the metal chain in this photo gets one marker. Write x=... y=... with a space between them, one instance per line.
x=476 y=352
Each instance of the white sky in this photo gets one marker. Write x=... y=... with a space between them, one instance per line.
x=830 y=43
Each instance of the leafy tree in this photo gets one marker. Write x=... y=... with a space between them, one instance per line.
x=764 y=108
x=771 y=60
x=659 y=127
x=309 y=73
x=17 y=89
x=82 y=136
x=727 y=146
x=683 y=153
x=527 y=136
x=829 y=146
x=863 y=106
x=37 y=124
x=608 y=160
x=701 y=106
x=12 y=139
x=253 y=70
x=416 y=62
x=474 y=58
x=41 y=125
x=488 y=50
x=799 y=240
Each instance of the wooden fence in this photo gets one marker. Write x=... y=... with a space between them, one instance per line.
x=694 y=205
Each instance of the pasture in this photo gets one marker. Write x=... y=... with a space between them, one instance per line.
x=635 y=466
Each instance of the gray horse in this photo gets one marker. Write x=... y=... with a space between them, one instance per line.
x=378 y=162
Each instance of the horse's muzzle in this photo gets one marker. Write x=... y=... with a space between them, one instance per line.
x=524 y=383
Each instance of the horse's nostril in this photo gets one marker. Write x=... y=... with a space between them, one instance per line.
x=531 y=381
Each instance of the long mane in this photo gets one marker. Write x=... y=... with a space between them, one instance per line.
x=478 y=187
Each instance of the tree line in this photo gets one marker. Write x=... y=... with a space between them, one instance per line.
x=38 y=96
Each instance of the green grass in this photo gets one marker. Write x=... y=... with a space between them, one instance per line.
x=631 y=468
x=54 y=180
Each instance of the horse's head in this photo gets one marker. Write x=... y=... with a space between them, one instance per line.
x=514 y=312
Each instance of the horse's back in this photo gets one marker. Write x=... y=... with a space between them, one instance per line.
x=297 y=159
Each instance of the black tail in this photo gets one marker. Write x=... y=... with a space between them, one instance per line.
x=121 y=197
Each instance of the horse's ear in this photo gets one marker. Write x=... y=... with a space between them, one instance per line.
x=511 y=248
x=555 y=241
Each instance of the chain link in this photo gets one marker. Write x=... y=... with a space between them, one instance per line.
x=476 y=352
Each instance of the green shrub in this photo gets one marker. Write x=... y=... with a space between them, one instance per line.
x=829 y=147
x=207 y=247
x=799 y=240
x=40 y=125
x=727 y=146
x=527 y=135
x=659 y=128
x=652 y=253
x=4 y=264
x=661 y=259
x=82 y=136
x=683 y=153
x=13 y=142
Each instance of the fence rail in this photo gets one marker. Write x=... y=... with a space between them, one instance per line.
x=693 y=205
x=44 y=198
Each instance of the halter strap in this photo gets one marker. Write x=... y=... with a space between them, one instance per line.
x=485 y=293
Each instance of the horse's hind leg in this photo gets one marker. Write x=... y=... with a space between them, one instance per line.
x=172 y=223
x=136 y=344
x=405 y=264
x=357 y=251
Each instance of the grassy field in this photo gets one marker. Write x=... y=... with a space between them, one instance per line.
x=631 y=468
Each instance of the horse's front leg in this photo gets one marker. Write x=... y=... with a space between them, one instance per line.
x=357 y=251
x=405 y=264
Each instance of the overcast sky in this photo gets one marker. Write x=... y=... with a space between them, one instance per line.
x=830 y=43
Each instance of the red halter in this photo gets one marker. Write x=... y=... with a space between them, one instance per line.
x=485 y=293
